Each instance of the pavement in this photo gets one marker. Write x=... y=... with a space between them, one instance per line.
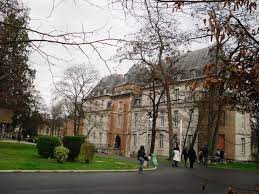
x=161 y=181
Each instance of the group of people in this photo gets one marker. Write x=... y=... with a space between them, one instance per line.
x=189 y=154
x=186 y=154
x=219 y=156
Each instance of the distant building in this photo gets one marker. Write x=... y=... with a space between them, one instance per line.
x=117 y=114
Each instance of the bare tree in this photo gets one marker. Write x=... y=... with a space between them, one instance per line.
x=156 y=46
x=75 y=87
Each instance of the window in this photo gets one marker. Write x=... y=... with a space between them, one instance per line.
x=150 y=122
x=190 y=139
x=178 y=77
x=136 y=119
x=119 y=120
x=100 y=137
x=193 y=73
x=103 y=107
x=135 y=139
x=120 y=108
x=104 y=91
x=162 y=120
x=176 y=118
x=243 y=145
x=222 y=118
x=150 y=98
x=149 y=140
x=243 y=119
x=176 y=92
x=94 y=136
x=109 y=104
x=163 y=99
x=161 y=141
x=137 y=102
x=189 y=96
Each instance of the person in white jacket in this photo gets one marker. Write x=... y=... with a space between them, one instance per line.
x=177 y=157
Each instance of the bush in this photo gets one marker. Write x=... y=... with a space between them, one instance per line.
x=73 y=143
x=87 y=152
x=46 y=145
x=61 y=154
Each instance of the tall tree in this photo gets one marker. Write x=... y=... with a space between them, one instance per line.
x=156 y=47
x=75 y=87
x=16 y=75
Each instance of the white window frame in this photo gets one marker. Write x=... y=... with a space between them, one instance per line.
x=162 y=120
x=134 y=139
x=243 y=145
x=135 y=119
x=177 y=121
x=161 y=140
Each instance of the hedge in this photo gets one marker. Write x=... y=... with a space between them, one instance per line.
x=46 y=145
x=73 y=143
x=87 y=152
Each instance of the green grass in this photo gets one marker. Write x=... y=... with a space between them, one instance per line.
x=238 y=165
x=163 y=160
x=16 y=156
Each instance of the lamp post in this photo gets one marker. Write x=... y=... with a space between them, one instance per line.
x=149 y=125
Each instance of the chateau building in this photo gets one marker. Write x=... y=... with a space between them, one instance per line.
x=118 y=114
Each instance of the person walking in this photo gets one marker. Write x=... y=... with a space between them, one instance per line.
x=221 y=156
x=192 y=156
x=185 y=156
x=141 y=158
x=200 y=157
x=177 y=157
x=205 y=152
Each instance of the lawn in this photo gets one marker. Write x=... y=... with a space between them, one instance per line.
x=238 y=165
x=17 y=156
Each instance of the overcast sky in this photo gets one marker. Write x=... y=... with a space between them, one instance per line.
x=71 y=17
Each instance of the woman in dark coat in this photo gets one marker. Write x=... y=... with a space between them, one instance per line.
x=192 y=156
x=185 y=156
x=141 y=157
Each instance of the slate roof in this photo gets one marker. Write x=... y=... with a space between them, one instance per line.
x=187 y=62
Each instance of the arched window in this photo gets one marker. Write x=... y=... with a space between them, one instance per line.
x=117 y=143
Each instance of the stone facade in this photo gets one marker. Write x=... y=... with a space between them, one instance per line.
x=118 y=116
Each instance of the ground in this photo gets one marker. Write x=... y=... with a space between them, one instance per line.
x=164 y=180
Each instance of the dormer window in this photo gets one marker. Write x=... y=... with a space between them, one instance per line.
x=137 y=102
x=109 y=104
x=178 y=77
x=126 y=77
x=193 y=73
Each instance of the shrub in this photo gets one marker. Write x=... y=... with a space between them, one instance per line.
x=46 y=145
x=87 y=152
x=73 y=143
x=61 y=154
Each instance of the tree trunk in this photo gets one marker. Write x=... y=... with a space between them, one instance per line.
x=188 y=127
x=170 y=119
x=75 y=120
x=153 y=134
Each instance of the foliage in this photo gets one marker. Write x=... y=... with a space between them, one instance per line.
x=73 y=143
x=74 y=88
x=16 y=75
x=46 y=145
x=87 y=152
x=61 y=154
